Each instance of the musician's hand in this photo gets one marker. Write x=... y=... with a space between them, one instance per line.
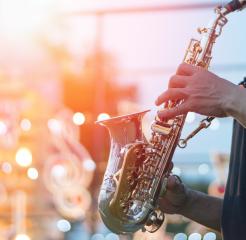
x=175 y=198
x=179 y=199
x=202 y=91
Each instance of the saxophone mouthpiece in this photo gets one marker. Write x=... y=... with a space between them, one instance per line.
x=235 y=5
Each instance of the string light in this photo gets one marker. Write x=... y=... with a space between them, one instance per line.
x=23 y=157
x=32 y=173
x=103 y=116
x=78 y=118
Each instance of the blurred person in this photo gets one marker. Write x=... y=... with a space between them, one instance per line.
x=207 y=94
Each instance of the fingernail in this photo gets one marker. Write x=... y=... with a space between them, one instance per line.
x=156 y=102
x=177 y=180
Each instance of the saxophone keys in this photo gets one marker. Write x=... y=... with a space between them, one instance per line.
x=160 y=129
x=123 y=204
x=130 y=180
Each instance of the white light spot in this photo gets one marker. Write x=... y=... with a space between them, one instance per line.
x=6 y=167
x=176 y=171
x=3 y=128
x=103 y=116
x=209 y=236
x=26 y=125
x=32 y=173
x=22 y=237
x=112 y=236
x=58 y=171
x=78 y=118
x=215 y=124
x=97 y=236
x=55 y=126
x=190 y=118
x=89 y=165
x=195 y=236
x=63 y=225
x=180 y=236
x=203 y=169
x=23 y=157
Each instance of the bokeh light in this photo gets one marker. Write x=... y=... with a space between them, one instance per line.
x=54 y=126
x=58 y=171
x=209 y=236
x=6 y=167
x=63 y=225
x=22 y=237
x=32 y=173
x=23 y=157
x=180 y=236
x=195 y=236
x=89 y=164
x=78 y=118
x=26 y=125
x=103 y=116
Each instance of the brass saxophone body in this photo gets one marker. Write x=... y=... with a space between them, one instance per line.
x=137 y=169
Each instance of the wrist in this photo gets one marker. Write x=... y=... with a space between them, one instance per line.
x=232 y=103
x=190 y=196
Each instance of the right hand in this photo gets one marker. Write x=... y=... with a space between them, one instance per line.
x=202 y=91
x=176 y=197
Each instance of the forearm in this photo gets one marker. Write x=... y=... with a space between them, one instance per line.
x=203 y=209
x=236 y=105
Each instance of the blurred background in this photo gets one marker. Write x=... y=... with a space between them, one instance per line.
x=66 y=64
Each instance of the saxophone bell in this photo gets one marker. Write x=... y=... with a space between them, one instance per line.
x=127 y=142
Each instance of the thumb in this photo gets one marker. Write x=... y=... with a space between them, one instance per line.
x=174 y=183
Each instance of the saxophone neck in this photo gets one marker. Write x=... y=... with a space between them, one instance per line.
x=199 y=52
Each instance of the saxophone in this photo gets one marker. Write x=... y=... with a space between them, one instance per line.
x=137 y=169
